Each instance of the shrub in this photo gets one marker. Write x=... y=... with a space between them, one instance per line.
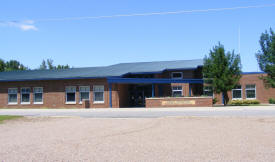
x=244 y=102
x=215 y=100
x=271 y=101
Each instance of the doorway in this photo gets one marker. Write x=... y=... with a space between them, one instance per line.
x=138 y=93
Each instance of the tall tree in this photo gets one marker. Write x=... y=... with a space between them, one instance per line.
x=43 y=65
x=266 y=57
x=222 y=70
x=50 y=64
x=2 y=65
x=14 y=65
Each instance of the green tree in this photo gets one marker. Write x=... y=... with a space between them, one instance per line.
x=2 y=65
x=62 y=66
x=43 y=65
x=14 y=65
x=266 y=57
x=222 y=70
x=50 y=64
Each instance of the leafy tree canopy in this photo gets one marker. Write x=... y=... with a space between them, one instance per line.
x=222 y=70
x=11 y=65
x=266 y=57
x=14 y=65
x=48 y=64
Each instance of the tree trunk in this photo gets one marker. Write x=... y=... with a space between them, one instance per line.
x=226 y=98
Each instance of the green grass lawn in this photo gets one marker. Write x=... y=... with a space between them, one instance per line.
x=8 y=117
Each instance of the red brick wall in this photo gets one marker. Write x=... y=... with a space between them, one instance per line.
x=54 y=95
x=179 y=102
x=262 y=93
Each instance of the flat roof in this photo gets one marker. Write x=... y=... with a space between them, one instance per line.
x=116 y=70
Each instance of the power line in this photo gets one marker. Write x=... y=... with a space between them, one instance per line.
x=136 y=14
x=153 y=13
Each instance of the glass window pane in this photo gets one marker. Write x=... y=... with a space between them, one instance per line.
x=250 y=86
x=38 y=90
x=84 y=89
x=98 y=96
x=70 y=89
x=98 y=88
x=176 y=75
x=12 y=98
x=38 y=97
x=237 y=93
x=250 y=94
x=177 y=93
x=12 y=90
x=84 y=96
x=25 y=97
x=208 y=93
x=70 y=97
x=177 y=87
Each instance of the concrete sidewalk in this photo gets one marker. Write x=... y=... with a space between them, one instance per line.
x=147 y=112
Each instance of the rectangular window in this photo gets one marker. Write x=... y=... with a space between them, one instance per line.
x=84 y=93
x=70 y=94
x=98 y=94
x=208 y=91
x=250 y=91
x=237 y=93
x=25 y=95
x=177 y=91
x=38 y=95
x=176 y=75
x=12 y=96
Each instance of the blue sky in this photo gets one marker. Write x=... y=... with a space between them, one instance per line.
x=105 y=41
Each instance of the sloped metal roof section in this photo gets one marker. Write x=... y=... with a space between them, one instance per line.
x=116 y=70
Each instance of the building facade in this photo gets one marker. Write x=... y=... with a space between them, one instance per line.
x=149 y=84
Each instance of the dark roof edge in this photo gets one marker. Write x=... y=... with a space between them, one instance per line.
x=48 y=79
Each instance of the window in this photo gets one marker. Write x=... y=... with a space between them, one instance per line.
x=25 y=95
x=98 y=94
x=12 y=96
x=84 y=93
x=208 y=91
x=177 y=91
x=237 y=93
x=38 y=95
x=70 y=94
x=250 y=91
x=176 y=75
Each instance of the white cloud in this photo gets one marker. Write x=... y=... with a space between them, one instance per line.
x=26 y=27
x=23 y=25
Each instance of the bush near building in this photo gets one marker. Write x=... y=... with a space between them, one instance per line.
x=244 y=102
x=272 y=101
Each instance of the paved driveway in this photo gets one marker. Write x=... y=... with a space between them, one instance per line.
x=145 y=112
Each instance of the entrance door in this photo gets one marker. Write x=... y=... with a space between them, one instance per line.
x=138 y=93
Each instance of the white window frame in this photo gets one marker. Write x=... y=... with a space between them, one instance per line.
x=241 y=93
x=177 y=77
x=21 y=94
x=70 y=102
x=177 y=90
x=94 y=91
x=13 y=103
x=38 y=92
x=80 y=101
x=251 y=89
